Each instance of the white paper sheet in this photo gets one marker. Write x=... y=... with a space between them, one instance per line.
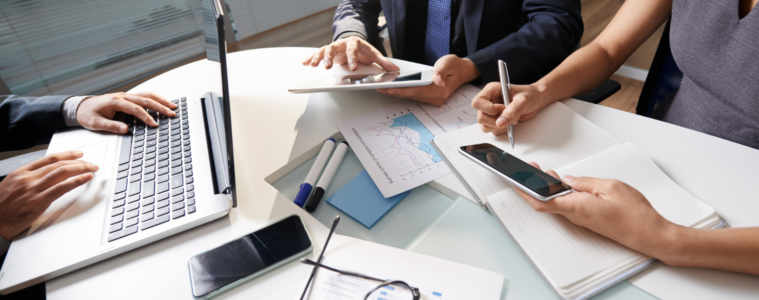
x=696 y=284
x=394 y=143
x=436 y=278
x=333 y=286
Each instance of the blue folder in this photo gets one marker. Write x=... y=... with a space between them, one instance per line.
x=361 y=200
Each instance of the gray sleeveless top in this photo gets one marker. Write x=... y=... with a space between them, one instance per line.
x=718 y=53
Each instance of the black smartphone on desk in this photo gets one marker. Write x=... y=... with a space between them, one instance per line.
x=229 y=265
x=525 y=177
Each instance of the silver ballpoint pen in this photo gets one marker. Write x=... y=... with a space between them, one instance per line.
x=503 y=72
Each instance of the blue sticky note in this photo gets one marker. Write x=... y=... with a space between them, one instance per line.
x=361 y=200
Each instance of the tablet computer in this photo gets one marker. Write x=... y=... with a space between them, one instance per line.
x=362 y=80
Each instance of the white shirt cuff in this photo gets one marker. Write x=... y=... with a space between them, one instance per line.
x=70 y=107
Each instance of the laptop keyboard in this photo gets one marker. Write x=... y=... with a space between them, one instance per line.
x=154 y=180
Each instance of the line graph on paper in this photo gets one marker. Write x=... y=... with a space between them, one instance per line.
x=396 y=149
x=394 y=143
x=456 y=113
x=401 y=146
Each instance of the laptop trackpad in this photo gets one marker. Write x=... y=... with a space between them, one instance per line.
x=98 y=149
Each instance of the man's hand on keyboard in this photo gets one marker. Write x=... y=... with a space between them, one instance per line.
x=28 y=191
x=97 y=112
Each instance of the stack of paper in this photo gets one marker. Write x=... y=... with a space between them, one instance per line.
x=578 y=263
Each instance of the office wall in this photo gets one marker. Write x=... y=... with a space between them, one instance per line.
x=255 y=16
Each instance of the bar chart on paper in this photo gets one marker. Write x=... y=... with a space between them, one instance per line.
x=395 y=144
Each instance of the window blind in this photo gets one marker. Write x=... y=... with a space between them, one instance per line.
x=91 y=46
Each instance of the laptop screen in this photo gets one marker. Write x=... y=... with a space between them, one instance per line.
x=216 y=50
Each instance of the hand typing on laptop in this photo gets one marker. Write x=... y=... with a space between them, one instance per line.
x=96 y=113
x=26 y=192
x=144 y=189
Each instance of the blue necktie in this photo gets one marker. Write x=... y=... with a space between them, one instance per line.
x=438 y=36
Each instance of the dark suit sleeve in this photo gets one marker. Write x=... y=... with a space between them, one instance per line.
x=552 y=31
x=358 y=17
x=29 y=121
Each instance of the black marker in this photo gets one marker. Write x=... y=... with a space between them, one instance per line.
x=324 y=180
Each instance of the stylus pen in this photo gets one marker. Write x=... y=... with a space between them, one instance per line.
x=503 y=73
x=326 y=178
x=313 y=174
x=321 y=255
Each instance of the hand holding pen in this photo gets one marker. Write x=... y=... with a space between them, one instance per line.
x=494 y=116
x=503 y=73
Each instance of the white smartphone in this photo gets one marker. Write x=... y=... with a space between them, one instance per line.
x=525 y=177
x=227 y=266
x=363 y=81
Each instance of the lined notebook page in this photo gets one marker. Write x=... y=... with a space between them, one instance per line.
x=554 y=138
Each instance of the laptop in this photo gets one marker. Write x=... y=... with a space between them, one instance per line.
x=152 y=183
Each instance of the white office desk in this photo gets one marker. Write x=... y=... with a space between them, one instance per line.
x=272 y=126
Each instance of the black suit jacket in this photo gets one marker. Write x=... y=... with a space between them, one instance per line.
x=29 y=121
x=532 y=36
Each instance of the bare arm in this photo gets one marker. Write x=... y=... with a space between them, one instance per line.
x=590 y=65
x=583 y=70
x=731 y=249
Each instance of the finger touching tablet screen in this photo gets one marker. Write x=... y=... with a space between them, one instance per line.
x=362 y=79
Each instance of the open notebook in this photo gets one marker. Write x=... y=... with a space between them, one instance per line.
x=576 y=262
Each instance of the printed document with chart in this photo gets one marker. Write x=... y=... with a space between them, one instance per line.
x=436 y=279
x=576 y=262
x=394 y=144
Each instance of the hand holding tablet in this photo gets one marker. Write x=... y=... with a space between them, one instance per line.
x=359 y=66
x=364 y=78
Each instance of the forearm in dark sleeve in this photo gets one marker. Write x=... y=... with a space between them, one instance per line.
x=356 y=17
x=29 y=121
x=552 y=32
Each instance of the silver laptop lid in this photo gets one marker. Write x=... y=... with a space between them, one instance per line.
x=218 y=112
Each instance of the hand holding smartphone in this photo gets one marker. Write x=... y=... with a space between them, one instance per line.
x=525 y=177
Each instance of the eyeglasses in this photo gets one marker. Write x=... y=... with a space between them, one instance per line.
x=415 y=295
x=383 y=283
